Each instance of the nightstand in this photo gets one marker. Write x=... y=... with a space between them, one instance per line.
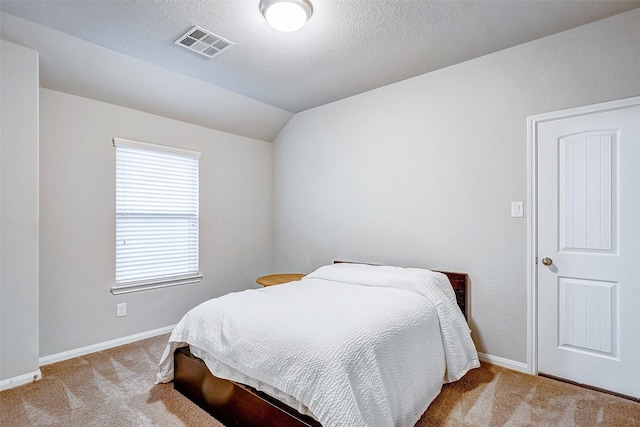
x=278 y=279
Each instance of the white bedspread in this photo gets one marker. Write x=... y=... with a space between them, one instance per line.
x=356 y=345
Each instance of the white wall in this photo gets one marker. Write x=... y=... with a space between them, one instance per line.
x=77 y=220
x=423 y=172
x=18 y=214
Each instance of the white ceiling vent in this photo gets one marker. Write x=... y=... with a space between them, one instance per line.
x=203 y=42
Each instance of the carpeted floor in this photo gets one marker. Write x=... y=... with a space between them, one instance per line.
x=116 y=388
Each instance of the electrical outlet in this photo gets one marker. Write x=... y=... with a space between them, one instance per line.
x=121 y=309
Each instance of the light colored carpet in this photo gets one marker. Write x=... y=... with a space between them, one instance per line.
x=116 y=388
x=495 y=396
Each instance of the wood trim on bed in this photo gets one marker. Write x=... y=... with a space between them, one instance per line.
x=231 y=403
x=459 y=284
x=238 y=405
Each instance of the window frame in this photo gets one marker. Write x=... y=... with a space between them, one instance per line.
x=166 y=281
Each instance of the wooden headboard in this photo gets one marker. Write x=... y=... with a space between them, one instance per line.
x=458 y=283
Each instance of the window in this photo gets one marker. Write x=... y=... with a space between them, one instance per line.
x=156 y=216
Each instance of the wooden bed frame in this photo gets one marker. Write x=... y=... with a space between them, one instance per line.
x=238 y=405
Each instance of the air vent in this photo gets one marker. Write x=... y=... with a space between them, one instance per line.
x=204 y=42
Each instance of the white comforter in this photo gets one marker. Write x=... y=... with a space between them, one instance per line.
x=357 y=345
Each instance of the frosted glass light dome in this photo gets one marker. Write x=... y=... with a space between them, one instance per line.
x=286 y=15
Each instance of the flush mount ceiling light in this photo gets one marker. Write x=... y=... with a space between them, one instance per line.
x=286 y=15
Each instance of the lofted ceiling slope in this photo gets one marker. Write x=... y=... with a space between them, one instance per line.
x=347 y=47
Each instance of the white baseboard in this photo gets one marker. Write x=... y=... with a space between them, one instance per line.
x=505 y=363
x=20 y=380
x=65 y=355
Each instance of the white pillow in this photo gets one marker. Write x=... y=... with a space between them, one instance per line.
x=407 y=278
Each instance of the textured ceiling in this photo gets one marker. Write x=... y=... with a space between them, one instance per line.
x=347 y=47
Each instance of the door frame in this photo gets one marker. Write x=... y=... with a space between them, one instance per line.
x=532 y=210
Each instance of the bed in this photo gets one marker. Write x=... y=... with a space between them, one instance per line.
x=349 y=344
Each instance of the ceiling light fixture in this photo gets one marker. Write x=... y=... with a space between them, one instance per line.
x=286 y=15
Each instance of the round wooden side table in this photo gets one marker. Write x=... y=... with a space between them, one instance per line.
x=278 y=279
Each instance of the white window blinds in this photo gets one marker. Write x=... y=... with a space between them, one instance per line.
x=156 y=216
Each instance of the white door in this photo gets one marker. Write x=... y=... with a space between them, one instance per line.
x=588 y=193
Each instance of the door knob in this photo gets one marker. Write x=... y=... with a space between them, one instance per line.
x=547 y=261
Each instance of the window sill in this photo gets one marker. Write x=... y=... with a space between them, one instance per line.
x=156 y=284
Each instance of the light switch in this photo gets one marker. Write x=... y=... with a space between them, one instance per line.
x=517 y=209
